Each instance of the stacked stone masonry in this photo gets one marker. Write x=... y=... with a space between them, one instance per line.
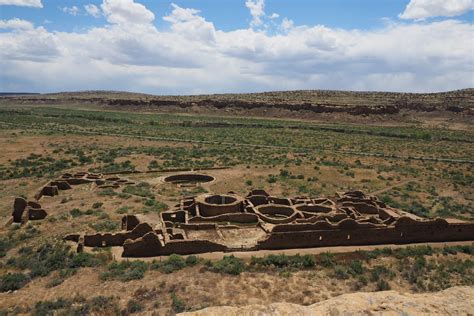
x=258 y=221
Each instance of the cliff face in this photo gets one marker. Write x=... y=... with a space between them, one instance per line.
x=453 y=301
x=307 y=101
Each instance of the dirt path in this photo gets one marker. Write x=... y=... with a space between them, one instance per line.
x=117 y=251
x=399 y=184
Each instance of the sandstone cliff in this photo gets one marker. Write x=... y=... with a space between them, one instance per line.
x=453 y=301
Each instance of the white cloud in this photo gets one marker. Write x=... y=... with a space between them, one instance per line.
x=126 y=12
x=287 y=24
x=188 y=23
x=16 y=24
x=92 y=10
x=192 y=56
x=274 y=16
x=257 y=11
x=71 y=10
x=422 y=9
x=23 y=3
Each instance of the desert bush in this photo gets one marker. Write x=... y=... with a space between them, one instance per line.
x=134 y=306
x=155 y=206
x=142 y=189
x=228 y=265
x=378 y=271
x=51 y=257
x=43 y=308
x=122 y=210
x=84 y=259
x=326 y=259
x=283 y=261
x=125 y=271
x=382 y=285
x=173 y=263
x=467 y=249
x=107 y=192
x=12 y=281
x=413 y=251
x=75 y=212
x=177 y=304
x=97 y=205
x=340 y=272
x=356 y=267
x=192 y=260
x=104 y=226
x=272 y=179
x=5 y=245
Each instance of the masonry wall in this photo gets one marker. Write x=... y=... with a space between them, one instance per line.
x=150 y=246
x=373 y=236
x=232 y=217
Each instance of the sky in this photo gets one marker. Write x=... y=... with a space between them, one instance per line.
x=224 y=46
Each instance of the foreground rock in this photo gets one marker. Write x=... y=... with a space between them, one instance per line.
x=453 y=301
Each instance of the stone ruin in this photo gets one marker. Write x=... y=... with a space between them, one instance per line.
x=24 y=210
x=67 y=180
x=259 y=221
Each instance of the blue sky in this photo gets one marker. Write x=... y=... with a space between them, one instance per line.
x=212 y=46
x=227 y=14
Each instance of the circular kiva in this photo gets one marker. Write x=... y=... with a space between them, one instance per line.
x=188 y=178
x=212 y=205
x=277 y=214
x=310 y=210
x=313 y=208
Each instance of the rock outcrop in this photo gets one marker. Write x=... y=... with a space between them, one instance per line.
x=453 y=301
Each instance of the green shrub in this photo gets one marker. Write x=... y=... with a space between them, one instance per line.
x=174 y=263
x=107 y=192
x=356 y=267
x=100 y=302
x=467 y=249
x=413 y=251
x=12 y=281
x=377 y=271
x=382 y=285
x=229 y=265
x=84 y=259
x=271 y=179
x=97 y=205
x=75 y=212
x=327 y=259
x=283 y=261
x=340 y=272
x=192 y=260
x=51 y=257
x=134 y=306
x=125 y=271
x=104 y=226
x=5 y=245
x=122 y=210
x=43 y=308
x=142 y=189
x=155 y=206
x=177 y=304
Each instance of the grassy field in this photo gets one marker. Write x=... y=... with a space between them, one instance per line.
x=426 y=171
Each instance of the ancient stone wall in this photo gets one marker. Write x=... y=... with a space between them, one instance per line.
x=232 y=217
x=151 y=245
x=174 y=216
x=213 y=205
x=367 y=236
